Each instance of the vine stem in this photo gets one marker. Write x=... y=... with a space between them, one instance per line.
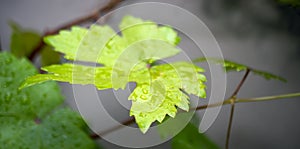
x=91 y=17
x=232 y=102
x=203 y=107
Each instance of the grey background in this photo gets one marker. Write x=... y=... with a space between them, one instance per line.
x=247 y=33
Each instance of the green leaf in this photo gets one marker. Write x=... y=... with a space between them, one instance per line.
x=61 y=129
x=227 y=65
x=190 y=138
x=48 y=56
x=23 y=42
x=31 y=118
x=28 y=101
x=268 y=75
x=153 y=101
x=290 y=2
x=74 y=74
x=233 y=66
x=128 y=58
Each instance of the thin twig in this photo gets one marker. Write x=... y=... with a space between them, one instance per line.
x=91 y=17
x=225 y=102
x=268 y=98
x=233 y=99
x=125 y=123
x=238 y=88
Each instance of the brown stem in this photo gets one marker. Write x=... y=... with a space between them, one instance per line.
x=125 y=123
x=91 y=17
x=233 y=100
x=241 y=83
x=202 y=107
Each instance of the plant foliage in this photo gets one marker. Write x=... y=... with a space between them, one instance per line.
x=190 y=138
x=128 y=58
x=31 y=118
x=24 y=42
x=233 y=66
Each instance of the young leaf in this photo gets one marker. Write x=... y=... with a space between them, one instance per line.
x=268 y=75
x=28 y=117
x=74 y=74
x=128 y=58
x=233 y=66
x=227 y=65
x=190 y=138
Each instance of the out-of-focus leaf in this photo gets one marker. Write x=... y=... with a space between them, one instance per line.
x=190 y=138
x=268 y=75
x=31 y=118
x=49 y=56
x=290 y=2
x=23 y=41
x=35 y=101
x=233 y=66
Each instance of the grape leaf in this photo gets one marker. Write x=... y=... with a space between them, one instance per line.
x=227 y=65
x=28 y=101
x=75 y=74
x=151 y=102
x=23 y=41
x=31 y=118
x=233 y=66
x=128 y=58
x=190 y=138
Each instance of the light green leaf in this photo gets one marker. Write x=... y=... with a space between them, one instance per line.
x=152 y=102
x=134 y=29
x=128 y=58
x=31 y=118
x=233 y=66
x=74 y=74
x=23 y=42
x=82 y=44
x=190 y=138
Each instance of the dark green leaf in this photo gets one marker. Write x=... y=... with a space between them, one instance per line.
x=190 y=138
x=31 y=118
x=49 y=56
x=233 y=66
x=23 y=42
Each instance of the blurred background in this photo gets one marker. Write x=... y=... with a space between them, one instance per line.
x=263 y=34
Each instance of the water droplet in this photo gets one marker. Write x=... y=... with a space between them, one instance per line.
x=145 y=91
x=143 y=97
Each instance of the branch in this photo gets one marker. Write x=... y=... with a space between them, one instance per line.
x=91 y=17
x=225 y=102
x=232 y=99
x=125 y=123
